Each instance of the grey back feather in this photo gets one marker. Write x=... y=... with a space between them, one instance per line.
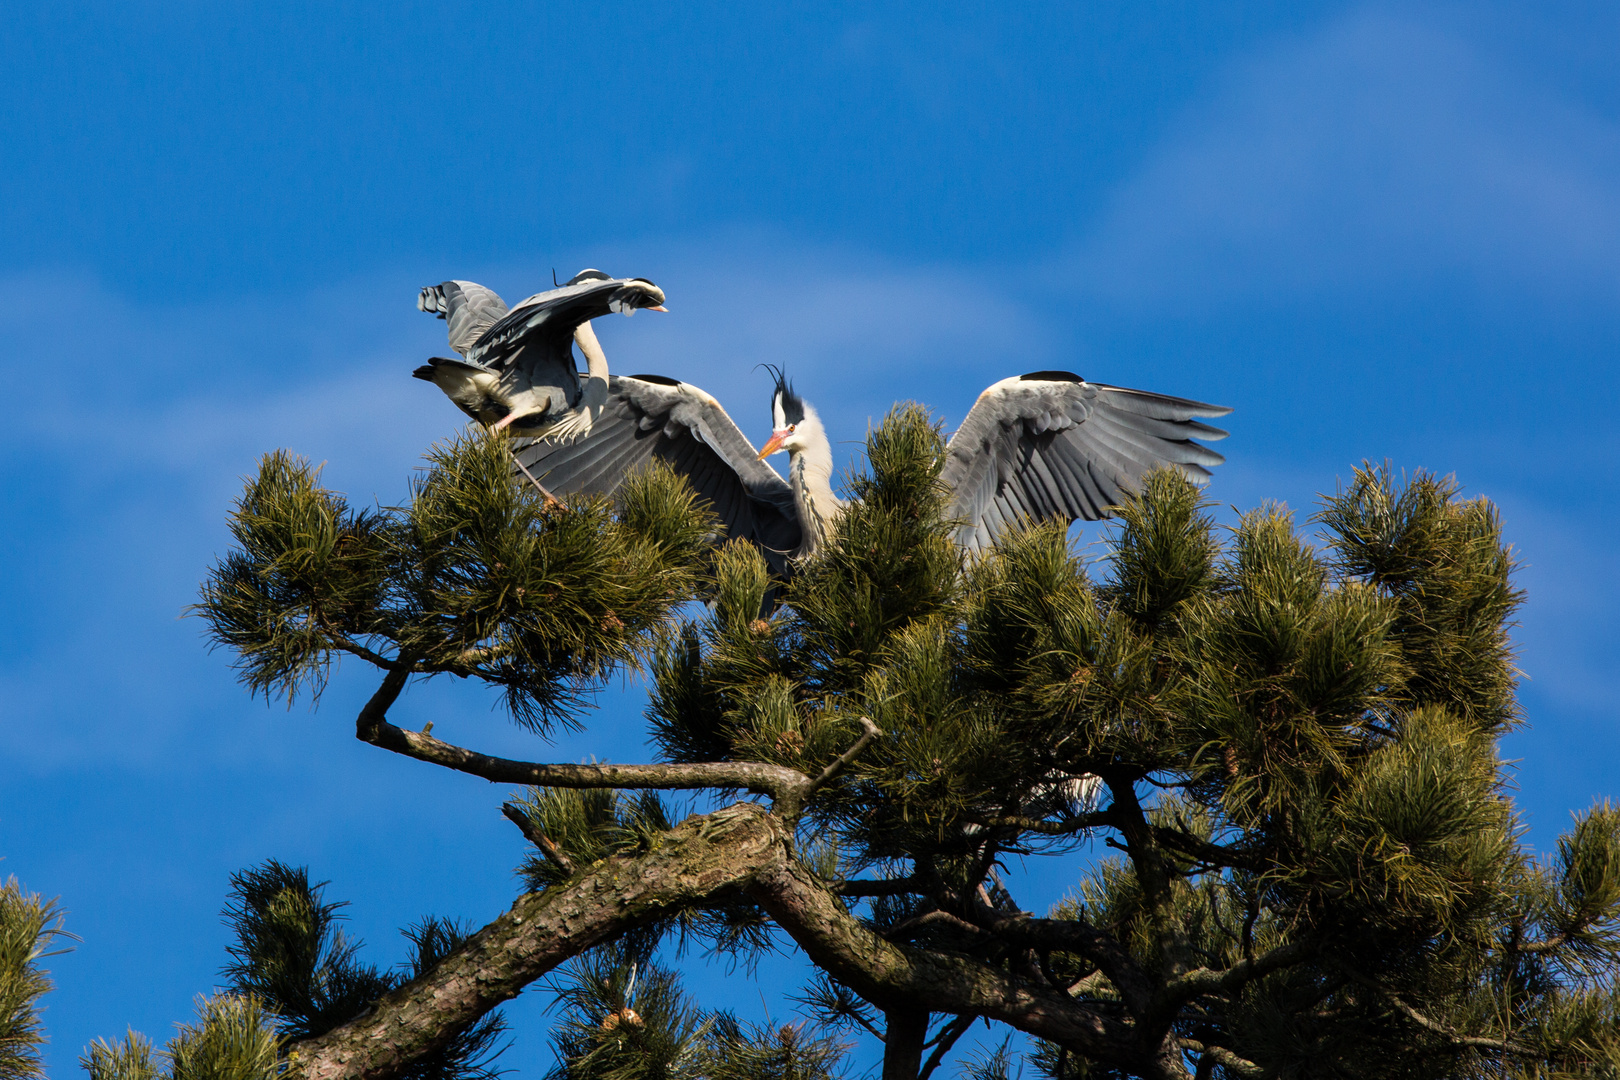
x=467 y=306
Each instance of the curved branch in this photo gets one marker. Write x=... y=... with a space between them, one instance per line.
x=776 y=781
x=1223 y=1057
x=788 y=789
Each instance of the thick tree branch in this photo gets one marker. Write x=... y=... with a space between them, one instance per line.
x=702 y=858
x=891 y=976
x=905 y=1029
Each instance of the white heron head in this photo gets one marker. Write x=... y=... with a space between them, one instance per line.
x=795 y=427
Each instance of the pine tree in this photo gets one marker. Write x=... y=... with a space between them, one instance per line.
x=1274 y=757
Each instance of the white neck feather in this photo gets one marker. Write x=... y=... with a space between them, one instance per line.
x=810 y=466
x=593 y=391
x=595 y=359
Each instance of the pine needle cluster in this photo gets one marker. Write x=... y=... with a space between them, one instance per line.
x=475 y=577
x=28 y=926
x=294 y=975
x=625 y=1017
x=292 y=958
x=232 y=1039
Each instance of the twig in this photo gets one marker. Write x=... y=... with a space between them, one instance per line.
x=903 y=931
x=1078 y=823
x=1446 y=1031
x=878 y=887
x=539 y=839
x=869 y=731
x=946 y=1039
x=551 y=500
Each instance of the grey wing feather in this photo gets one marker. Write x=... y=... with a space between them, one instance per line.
x=467 y=306
x=1036 y=448
x=645 y=420
x=551 y=316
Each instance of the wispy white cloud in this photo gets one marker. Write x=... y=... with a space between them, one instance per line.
x=1374 y=155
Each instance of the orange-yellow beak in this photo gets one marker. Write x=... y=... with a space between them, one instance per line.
x=774 y=444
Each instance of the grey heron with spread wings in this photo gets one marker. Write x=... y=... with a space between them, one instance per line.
x=1034 y=447
x=517 y=369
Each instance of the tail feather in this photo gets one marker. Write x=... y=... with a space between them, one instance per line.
x=433 y=301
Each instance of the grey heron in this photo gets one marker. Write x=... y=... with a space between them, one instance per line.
x=518 y=370
x=1032 y=448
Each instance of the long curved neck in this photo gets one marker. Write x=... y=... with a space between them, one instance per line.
x=810 y=467
x=593 y=389
x=596 y=364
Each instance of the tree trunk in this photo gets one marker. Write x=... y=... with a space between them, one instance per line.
x=903 y=1038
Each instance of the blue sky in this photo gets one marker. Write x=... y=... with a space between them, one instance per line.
x=1377 y=231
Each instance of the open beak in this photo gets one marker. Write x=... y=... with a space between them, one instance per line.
x=773 y=445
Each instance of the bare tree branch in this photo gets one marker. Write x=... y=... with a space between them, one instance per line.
x=869 y=731
x=945 y=1040
x=788 y=788
x=776 y=781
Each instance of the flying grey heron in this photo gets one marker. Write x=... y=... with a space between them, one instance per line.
x=1033 y=447
x=519 y=370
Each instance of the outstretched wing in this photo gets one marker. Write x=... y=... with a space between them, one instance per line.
x=469 y=307
x=1051 y=445
x=548 y=319
x=650 y=417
